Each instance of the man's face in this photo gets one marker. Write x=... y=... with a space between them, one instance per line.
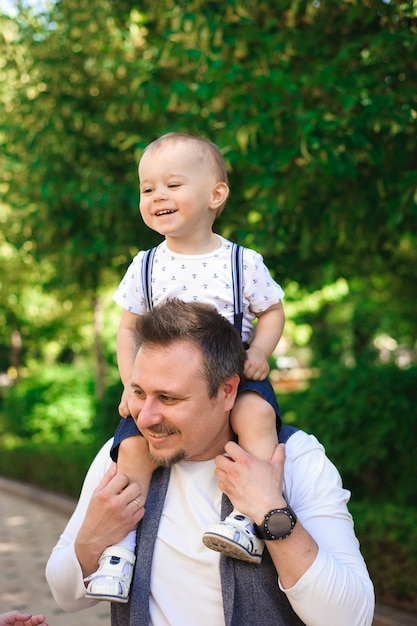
x=172 y=408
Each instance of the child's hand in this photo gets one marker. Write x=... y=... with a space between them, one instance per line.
x=256 y=365
x=24 y=619
x=124 y=404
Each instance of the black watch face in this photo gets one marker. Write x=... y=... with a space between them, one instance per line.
x=279 y=524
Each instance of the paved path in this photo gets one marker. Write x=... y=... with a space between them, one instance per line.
x=29 y=528
x=31 y=521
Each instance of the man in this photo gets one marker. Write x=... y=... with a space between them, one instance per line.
x=185 y=381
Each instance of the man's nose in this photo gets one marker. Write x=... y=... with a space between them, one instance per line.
x=148 y=414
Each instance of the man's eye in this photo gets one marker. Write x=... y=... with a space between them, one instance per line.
x=168 y=399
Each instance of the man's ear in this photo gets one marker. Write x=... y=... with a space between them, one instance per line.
x=220 y=194
x=230 y=391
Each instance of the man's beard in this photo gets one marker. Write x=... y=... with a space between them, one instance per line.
x=164 y=461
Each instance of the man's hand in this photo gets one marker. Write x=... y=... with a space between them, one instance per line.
x=253 y=486
x=114 y=510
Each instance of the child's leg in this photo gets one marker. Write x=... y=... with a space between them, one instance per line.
x=112 y=579
x=133 y=461
x=254 y=421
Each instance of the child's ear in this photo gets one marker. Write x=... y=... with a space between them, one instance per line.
x=219 y=195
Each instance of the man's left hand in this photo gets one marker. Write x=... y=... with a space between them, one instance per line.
x=253 y=486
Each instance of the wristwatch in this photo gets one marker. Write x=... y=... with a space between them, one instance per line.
x=277 y=524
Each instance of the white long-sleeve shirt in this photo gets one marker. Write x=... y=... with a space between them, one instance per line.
x=336 y=590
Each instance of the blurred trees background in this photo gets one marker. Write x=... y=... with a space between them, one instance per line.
x=314 y=105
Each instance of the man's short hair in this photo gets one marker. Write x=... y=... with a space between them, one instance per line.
x=223 y=354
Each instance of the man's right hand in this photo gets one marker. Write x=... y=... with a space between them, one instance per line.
x=114 y=510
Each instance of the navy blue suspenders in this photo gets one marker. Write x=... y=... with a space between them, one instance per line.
x=147 y=264
x=237 y=278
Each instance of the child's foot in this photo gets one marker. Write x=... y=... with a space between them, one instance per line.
x=112 y=579
x=235 y=537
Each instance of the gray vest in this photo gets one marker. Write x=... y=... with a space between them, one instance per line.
x=251 y=596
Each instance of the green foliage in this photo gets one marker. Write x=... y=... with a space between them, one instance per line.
x=349 y=319
x=312 y=104
x=387 y=534
x=57 y=467
x=365 y=417
x=107 y=416
x=55 y=404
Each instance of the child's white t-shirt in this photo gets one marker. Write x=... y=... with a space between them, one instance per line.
x=202 y=278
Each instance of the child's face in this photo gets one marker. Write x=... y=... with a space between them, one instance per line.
x=179 y=193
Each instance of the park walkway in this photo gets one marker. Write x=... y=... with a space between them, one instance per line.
x=31 y=522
